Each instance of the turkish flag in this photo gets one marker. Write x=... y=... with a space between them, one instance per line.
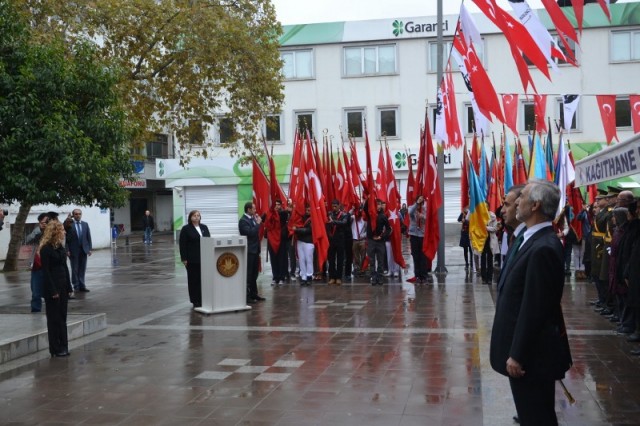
x=483 y=91
x=560 y=20
x=607 y=106
x=260 y=189
x=605 y=7
x=295 y=166
x=433 y=198
x=510 y=107
x=454 y=134
x=519 y=167
x=372 y=210
x=318 y=209
x=634 y=100
x=411 y=185
x=381 y=178
x=540 y=110
x=578 y=9
x=394 y=212
x=464 y=179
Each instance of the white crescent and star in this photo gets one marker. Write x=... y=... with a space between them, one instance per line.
x=636 y=107
x=607 y=108
x=508 y=99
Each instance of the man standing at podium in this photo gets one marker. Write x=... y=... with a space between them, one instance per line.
x=249 y=226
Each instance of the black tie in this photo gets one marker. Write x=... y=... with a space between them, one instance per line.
x=514 y=249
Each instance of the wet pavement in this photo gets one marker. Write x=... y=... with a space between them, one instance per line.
x=393 y=355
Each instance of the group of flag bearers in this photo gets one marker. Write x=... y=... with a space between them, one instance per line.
x=331 y=199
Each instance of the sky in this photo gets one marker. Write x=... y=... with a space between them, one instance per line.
x=314 y=11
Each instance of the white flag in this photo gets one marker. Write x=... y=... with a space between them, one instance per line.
x=569 y=107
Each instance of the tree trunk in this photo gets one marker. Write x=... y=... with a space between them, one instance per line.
x=17 y=237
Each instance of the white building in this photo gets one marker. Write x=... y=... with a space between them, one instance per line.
x=339 y=75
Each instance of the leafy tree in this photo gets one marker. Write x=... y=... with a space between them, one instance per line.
x=64 y=137
x=186 y=61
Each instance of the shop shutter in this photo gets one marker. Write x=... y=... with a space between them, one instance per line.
x=218 y=206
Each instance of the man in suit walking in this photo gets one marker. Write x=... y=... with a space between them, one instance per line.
x=78 y=249
x=529 y=342
x=249 y=226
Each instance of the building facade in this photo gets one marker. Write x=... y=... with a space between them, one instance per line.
x=343 y=77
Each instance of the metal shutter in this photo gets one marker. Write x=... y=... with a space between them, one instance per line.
x=218 y=206
x=451 y=198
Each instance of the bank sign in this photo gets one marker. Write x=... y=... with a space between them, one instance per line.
x=416 y=27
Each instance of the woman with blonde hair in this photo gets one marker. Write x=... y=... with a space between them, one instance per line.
x=56 y=287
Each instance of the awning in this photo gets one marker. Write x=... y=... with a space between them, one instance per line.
x=613 y=162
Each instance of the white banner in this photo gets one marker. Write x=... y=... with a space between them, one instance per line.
x=616 y=161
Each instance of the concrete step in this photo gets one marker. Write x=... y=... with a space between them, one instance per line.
x=25 y=334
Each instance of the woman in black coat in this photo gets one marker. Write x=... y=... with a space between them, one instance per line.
x=56 y=287
x=190 y=255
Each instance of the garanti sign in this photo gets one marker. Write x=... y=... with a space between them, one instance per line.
x=413 y=27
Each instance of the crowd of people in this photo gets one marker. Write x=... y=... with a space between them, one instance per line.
x=358 y=244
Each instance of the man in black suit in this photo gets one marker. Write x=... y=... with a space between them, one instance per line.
x=249 y=226
x=529 y=342
x=78 y=249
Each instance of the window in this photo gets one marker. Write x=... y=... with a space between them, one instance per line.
x=561 y=46
x=298 y=64
x=370 y=60
x=354 y=119
x=196 y=133
x=272 y=129
x=623 y=113
x=560 y=113
x=447 y=46
x=625 y=46
x=470 y=119
x=528 y=116
x=304 y=120
x=158 y=147
x=226 y=130
x=388 y=122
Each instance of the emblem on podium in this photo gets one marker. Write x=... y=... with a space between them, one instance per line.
x=227 y=264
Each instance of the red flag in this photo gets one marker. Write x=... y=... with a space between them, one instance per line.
x=272 y=223
x=519 y=167
x=493 y=196
x=516 y=34
x=540 y=110
x=592 y=191
x=575 y=201
x=353 y=199
x=295 y=166
x=356 y=172
x=510 y=106
x=634 y=100
x=454 y=135
x=475 y=154
x=394 y=212
x=372 y=209
x=318 y=209
x=420 y=174
x=464 y=179
x=381 y=178
x=560 y=20
x=483 y=91
x=260 y=189
x=578 y=9
x=607 y=105
x=604 y=4
x=411 y=182
x=433 y=198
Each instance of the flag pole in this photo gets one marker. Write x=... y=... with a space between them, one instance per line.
x=441 y=269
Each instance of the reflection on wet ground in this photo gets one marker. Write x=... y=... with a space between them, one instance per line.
x=400 y=354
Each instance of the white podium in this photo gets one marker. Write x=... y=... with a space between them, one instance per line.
x=224 y=274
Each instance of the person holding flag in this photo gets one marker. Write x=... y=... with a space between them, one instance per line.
x=336 y=224
x=378 y=229
x=304 y=247
x=417 y=217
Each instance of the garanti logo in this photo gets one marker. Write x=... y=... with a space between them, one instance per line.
x=397 y=28
x=401 y=159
